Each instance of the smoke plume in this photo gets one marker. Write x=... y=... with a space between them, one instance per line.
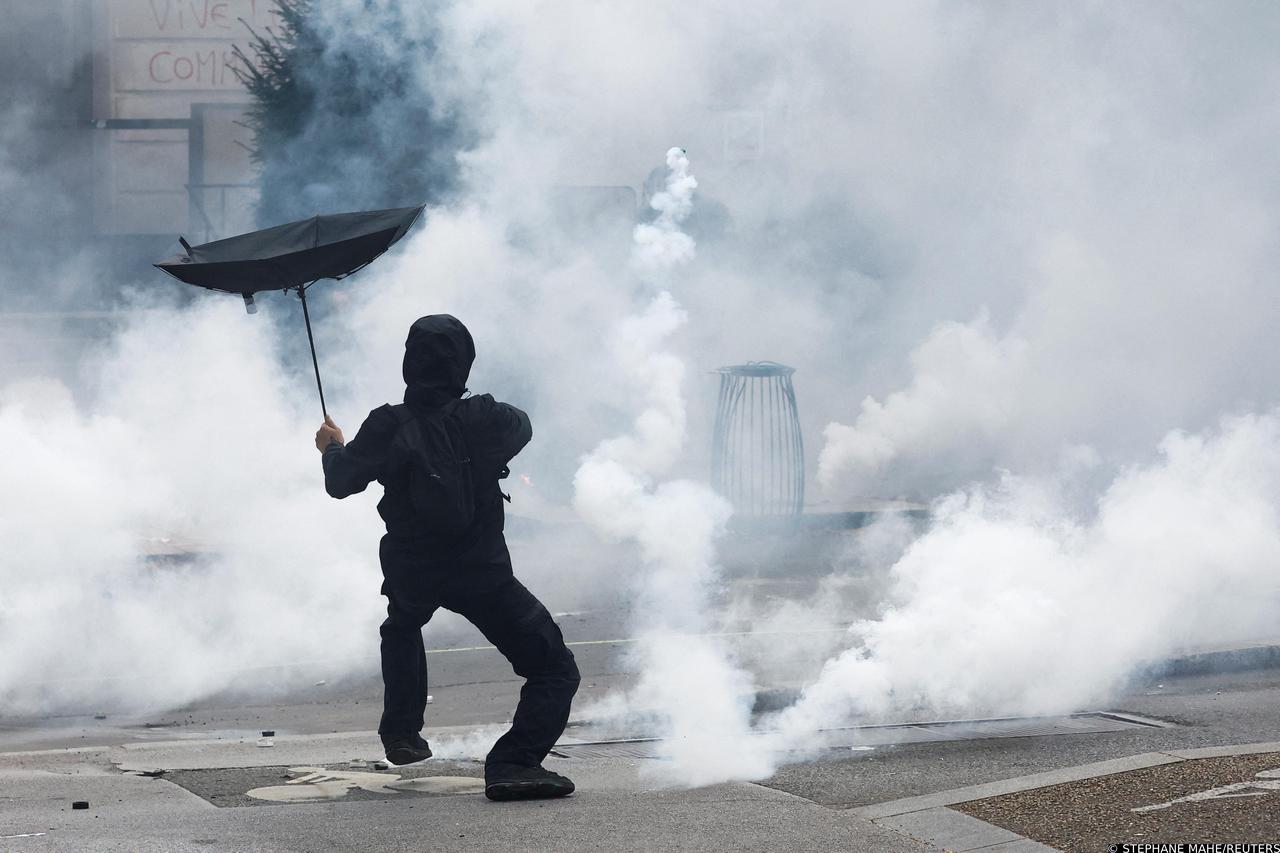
x=620 y=490
x=1022 y=260
x=1016 y=603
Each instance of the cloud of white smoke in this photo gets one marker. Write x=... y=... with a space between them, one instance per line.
x=144 y=563
x=1015 y=603
x=965 y=377
x=660 y=246
x=701 y=698
x=1098 y=178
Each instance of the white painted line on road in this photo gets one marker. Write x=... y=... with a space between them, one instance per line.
x=625 y=640
x=322 y=661
x=1251 y=788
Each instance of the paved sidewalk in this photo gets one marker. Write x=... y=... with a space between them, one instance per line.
x=194 y=796
x=331 y=792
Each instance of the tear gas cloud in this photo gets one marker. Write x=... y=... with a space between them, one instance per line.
x=1020 y=257
x=620 y=490
x=1179 y=552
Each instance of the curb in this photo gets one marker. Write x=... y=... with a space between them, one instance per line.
x=927 y=818
x=1260 y=656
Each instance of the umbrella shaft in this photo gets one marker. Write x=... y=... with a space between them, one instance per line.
x=306 y=316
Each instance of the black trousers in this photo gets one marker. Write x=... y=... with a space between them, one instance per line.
x=488 y=595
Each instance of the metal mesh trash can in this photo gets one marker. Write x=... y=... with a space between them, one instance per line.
x=757 y=452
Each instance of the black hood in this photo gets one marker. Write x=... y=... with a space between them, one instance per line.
x=437 y=360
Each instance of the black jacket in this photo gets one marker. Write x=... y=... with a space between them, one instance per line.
x=437 y=360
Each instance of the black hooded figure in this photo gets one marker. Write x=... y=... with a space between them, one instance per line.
x=469 y=574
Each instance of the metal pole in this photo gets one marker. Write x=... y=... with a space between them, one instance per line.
x=306 y=315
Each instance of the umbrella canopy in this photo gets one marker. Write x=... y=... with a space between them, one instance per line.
x=292 y=255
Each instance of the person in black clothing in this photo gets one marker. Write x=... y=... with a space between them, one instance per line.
x=468 y=573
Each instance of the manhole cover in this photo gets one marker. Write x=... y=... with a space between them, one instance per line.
x=645 y=748
x=1095 y=722
x=262 y=786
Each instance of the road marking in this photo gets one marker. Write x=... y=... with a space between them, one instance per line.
x=1252 y=788
x=159 y=676
x=624 y=640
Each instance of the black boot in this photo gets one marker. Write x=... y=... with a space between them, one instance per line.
x=514 y=782
x=406 y=749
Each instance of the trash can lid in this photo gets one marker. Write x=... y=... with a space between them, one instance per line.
x=757 y=368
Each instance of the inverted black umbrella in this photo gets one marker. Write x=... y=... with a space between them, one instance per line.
x=293 y=256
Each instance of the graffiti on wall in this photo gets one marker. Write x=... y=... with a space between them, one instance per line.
x=161 y=45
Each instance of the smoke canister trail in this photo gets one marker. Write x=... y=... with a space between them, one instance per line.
x=660 y=247
x=700 y=698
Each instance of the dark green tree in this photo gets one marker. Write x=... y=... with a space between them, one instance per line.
x=341 y=119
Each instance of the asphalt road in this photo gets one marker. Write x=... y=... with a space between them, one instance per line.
x=1207 y=710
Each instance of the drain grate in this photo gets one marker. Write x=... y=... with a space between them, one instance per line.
x=646 y=748
x=1094 y=722
x=1007 y=727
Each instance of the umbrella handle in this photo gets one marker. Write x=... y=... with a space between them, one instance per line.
x=306 y=316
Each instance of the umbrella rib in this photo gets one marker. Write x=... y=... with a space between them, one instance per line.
x=357 y=269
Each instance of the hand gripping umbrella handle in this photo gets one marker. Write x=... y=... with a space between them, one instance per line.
x=306 y=316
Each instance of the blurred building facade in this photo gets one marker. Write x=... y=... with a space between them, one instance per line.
x=121 y=127
x=132 y=107
x=172 y=152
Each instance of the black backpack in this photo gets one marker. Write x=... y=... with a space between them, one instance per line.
x=440 y=484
